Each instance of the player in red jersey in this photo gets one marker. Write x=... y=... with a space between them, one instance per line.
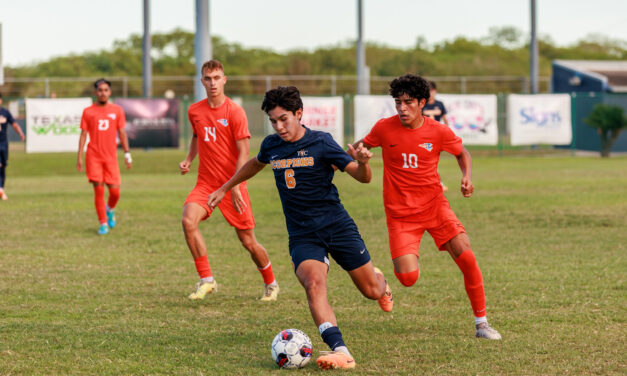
x=221 y=139
x=412 y=195
x=103 y=121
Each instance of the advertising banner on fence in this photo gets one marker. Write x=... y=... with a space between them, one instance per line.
x=369 y=109
x=151 y=122
x=325 y=114
x=472 y=117
x=539 y=119
x=54 y=125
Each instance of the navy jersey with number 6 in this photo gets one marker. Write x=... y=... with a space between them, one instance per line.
x=303 y=171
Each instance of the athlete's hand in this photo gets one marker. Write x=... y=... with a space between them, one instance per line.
x=361 y=153
x=467 y=187
x=184 y=167
x=215 y=197
x=79 y=166
x=238 y=201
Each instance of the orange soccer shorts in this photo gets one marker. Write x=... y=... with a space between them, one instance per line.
x=102 y=170
x=439 y=220
x=244 y=221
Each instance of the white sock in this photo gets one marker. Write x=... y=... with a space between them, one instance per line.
x=324 y=326
x=479 y=320
x=274 y=283
x=343 y=349
x=208 y=279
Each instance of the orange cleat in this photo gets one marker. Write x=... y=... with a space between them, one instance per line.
x=386 y=302
x=335 y=359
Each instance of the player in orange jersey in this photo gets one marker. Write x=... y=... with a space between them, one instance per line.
x=412 y=195
x=221 y=139
x=103 y=121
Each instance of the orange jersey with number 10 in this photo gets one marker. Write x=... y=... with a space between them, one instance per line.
x=410 y=163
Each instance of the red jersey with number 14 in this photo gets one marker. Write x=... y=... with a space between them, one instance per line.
x=410 y=162
x=102 y=124
x=217 y=130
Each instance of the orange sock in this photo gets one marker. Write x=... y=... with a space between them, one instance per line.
x=267 y=274
x=114 y=197
x=99 y=201
x=473 y=281
x=202 y=266
x=408 y=279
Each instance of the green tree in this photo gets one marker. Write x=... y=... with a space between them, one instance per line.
x=609 y=121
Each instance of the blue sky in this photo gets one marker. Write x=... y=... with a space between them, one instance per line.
x=35 y=30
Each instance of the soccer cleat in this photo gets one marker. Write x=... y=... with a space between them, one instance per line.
x=485 y=331
x=111 y=218
x=335 y=359
x=202 y=289
x=272 y=291
x=103 y=230
x=386 y=302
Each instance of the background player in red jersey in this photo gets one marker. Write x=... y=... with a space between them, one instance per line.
x=221 y=139
x=412 y=194
x=103 y=121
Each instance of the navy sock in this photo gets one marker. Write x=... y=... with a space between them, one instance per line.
x=333 y=337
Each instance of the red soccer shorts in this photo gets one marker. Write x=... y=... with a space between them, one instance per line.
x=200 y=195
x=439 y=220
x=102 y=170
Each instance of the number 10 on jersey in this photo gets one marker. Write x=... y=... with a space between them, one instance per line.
x=410 y=160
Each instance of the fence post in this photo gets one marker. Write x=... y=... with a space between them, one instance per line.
x=463 y=84
x=268 y=83
x=125 y=86
x=47 y=88
x=333 y=85
x=573 y=123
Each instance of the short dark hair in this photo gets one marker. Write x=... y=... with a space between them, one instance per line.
x=412 y=85
x=432 y=85
x=211 y=65
x=287 y=97
x=101 y=81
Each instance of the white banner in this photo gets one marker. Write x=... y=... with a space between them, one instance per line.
x=369 y=109
x=539 y=119
x=54 y=125
x=325 y=114
x=472 y=117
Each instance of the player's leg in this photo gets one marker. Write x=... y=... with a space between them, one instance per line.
x=312 y=274
x=99 y=203
x=404 y=239
x=193 y=214
x=260 y=257
x=114 y=197
x=371 y=282
x=451 y=236
x=113 y=179
x=4 y=156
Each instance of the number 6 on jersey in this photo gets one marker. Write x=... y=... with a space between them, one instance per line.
x=290 y=182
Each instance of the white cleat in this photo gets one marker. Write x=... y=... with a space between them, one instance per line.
x=485 y=331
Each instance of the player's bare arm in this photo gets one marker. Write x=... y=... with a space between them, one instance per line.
x=81 y=145
x=248 y=170
x=128 y=161
x=17 y=128
x=356 y=144
x=193 y=150
x=243 y=148
x=465 y=165
x=359 y=170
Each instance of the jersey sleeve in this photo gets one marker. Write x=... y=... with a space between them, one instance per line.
x=373 y=138
x=122 y=117
x=191 y=121
x=334 y=154
x=84 y=121
x=450 y=142
x=10 y=118
x=240 y=123
x=264 y=156
x=443 y=108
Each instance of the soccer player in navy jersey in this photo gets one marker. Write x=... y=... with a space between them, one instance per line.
x=304 y=162
x=6 y=119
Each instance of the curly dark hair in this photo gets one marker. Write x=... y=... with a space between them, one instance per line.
x=287 y=97
x=412 y=85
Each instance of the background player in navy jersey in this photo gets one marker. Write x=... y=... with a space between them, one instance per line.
x=435 y=110
x=303 y=162
x=6 y=119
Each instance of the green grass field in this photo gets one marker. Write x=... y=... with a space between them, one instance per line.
x=549 y=234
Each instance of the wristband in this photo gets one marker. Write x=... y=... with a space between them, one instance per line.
x=127 y=157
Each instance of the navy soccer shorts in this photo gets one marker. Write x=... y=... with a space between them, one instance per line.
x=341 y=240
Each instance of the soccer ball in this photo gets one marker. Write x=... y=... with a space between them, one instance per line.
x=291 y=348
